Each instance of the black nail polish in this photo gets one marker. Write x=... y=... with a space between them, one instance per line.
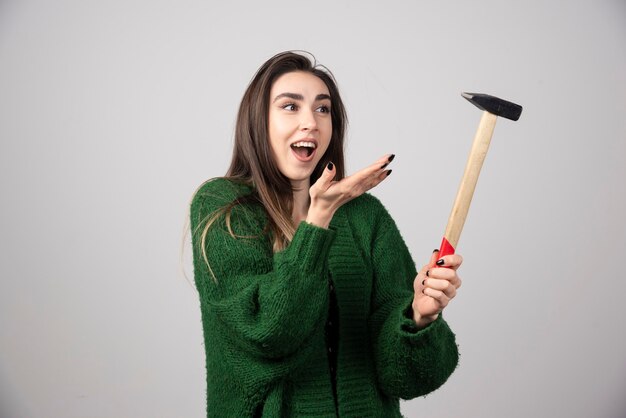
x=436 y=250
x=440 y=262
x=424 y=282
x=427 y=273
x=390 y=159
x=384 y=165
x=389 y=172
x=330 y=166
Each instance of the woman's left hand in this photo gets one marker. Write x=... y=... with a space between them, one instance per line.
x=435 y=286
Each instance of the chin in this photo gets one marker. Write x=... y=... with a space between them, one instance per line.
x=299 y=177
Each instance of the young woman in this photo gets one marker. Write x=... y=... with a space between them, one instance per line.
x=311 y=303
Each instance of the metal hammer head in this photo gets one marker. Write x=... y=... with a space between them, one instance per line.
x=494 y=105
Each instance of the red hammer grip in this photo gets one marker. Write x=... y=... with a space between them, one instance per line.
x=446 y=248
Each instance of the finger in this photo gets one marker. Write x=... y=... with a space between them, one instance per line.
x=438 y=295
x=364 y=180
x=453 y=261
x=446 y=274
x=434 y=257
x=375 y=180
x=425 y=270
x=326 y=179
x=385 y=161
x=442 y=285
x=441 y=273
x=373 y=170
x=418 y=284
x=371 y=180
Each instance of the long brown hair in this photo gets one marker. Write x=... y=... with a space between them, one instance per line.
x=252 y=162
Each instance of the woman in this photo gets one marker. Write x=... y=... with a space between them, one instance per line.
x=311 y=304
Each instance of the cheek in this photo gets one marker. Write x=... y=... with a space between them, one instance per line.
x=327 y=132
x=279 y=127
x=274 y=131
x=324 y=146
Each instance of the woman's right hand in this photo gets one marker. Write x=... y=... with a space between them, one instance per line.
x=327 y=195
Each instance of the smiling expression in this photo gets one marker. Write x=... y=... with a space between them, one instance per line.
x=300 y=125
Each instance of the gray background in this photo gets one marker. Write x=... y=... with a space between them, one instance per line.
x=112 y=113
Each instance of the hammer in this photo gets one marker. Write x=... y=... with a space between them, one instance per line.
x=492 y=108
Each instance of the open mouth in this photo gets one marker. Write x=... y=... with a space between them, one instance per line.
x=303 y=150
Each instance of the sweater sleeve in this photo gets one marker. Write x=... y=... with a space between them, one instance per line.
x=409 y=362
x=266 y=305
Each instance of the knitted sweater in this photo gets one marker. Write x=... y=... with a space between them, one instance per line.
x=265 y=314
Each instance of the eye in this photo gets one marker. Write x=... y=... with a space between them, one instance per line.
x=323 y=109
x=290 y=106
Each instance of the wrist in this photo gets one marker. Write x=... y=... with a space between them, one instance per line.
x=423 y=321
x=318 y=221
x=319 y=218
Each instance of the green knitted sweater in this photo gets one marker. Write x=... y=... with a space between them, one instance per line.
x=264 y=316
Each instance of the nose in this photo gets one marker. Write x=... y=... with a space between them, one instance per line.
x=308 y=122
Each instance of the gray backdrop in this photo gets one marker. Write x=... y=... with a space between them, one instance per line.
x=112 y=113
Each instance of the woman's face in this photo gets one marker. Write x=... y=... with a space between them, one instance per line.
x=300 y=124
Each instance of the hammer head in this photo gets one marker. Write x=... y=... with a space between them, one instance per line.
x=494 y=105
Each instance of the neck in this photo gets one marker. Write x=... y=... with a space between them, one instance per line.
x=301 y=201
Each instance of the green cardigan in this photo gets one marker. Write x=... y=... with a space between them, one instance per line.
x=264 y=314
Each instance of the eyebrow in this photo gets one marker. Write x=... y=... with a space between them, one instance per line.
x=295 y=96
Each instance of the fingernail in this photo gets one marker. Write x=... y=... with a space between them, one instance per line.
x=389 y=172
x=423 y=282
x=330 y=166
x=436 y=250
x=440 y=262
x=427 y=273
x=384 y=165
x=390 y=159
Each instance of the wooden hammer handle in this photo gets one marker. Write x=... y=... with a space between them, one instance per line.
x=463 y=199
